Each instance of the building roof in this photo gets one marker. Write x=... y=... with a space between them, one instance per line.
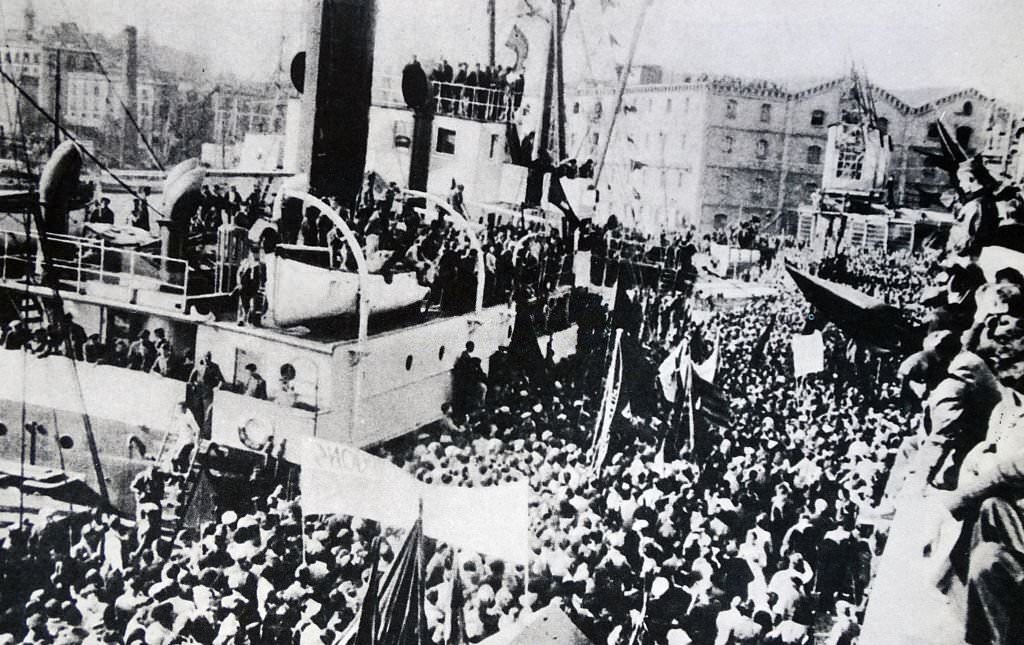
x=915 y=101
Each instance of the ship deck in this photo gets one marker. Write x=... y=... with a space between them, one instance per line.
x=323 y=338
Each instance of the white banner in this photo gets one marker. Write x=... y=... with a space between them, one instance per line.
x=808 y=354
x=490 y=519
x=581 y=268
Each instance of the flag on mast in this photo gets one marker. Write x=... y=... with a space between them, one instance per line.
x=518 y=43
x=368 y=612
x=609 y=406
x=455 y=621
x=402 y=617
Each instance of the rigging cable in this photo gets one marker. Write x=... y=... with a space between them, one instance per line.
x=113 y=88
x=18 y=307
x=72 y=137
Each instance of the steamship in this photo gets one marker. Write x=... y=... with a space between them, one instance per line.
x=361 y=360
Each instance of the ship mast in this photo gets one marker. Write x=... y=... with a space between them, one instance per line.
x=550 y=145
x=623 y=81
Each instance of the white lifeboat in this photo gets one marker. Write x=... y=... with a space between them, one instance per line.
x=299 y=291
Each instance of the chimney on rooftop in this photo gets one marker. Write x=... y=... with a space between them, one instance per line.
x=30 y=20
x=129 y=138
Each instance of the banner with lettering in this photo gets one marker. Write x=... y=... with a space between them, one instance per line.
x=489 y=519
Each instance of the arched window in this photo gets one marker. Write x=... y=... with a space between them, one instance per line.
x=968 y=108
x=818 y=117
x=883 y=125
x=727 y=144
x=933 y=131
x=730 y=109
x=721 y=219
x=963 y=136
x=766 y=112
x=762 y=149
x=814 y=154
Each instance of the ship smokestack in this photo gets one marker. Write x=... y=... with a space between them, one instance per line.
x=336 y=99
x=129 y=142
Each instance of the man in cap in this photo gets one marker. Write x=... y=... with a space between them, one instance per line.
x=255 y=385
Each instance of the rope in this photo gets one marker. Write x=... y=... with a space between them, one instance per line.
x=102 y=166
x=113 y=88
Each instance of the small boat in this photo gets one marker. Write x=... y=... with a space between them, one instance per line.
x=290 y=281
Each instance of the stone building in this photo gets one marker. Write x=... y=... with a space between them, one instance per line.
x=709 y=151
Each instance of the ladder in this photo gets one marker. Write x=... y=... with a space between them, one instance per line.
x=29 y=310
x=180 y=492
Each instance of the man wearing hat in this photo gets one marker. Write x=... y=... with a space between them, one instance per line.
x=103 y=214
x=255 y=385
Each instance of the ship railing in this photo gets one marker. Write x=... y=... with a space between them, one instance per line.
x=91 y=265
x=496 y=105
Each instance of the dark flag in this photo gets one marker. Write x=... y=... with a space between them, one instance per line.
x=455 y=621
x=402 y=620
x=709 y=403
x=368 y=616
x=626 y=313
x=639 y=390
x=631 y=382
x=858 y=315
x=524 y=351
x=708 y=406
x=610 y=408
x=758 y=357
x=699 y=348
x=556 y=195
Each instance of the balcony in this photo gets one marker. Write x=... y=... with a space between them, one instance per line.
x=451 y=99
x=92 y=267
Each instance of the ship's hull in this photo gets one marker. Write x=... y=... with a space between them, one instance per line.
x=120 y=405
x=355 y=394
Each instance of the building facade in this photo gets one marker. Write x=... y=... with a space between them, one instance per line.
x=712 y=151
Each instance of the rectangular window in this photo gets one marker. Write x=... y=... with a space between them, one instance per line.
x=445 y=141
x=727 y=144
x=762 y=149
x=668 y=105
x=759 y=186
x=723 y=183
x=495 y=140
x=766 y=113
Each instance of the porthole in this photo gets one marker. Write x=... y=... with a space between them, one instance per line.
x=66 y=442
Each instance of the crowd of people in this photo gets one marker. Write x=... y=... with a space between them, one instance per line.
x=763 y=529
x=764 y=536
x=483 y=92
x=395 y=236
